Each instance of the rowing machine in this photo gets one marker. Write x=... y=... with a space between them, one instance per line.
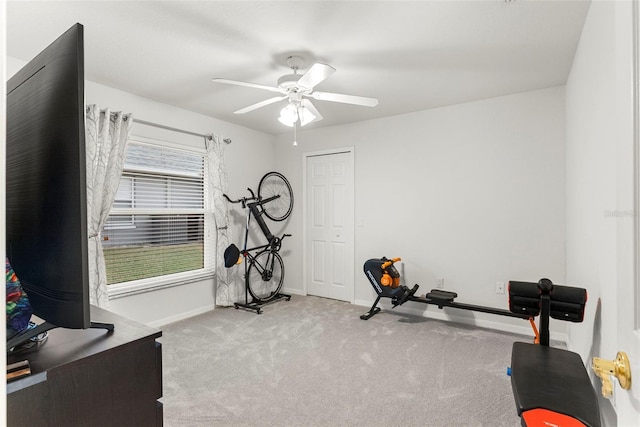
x=385 y=279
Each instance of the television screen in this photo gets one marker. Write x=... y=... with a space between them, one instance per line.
x=46 y=218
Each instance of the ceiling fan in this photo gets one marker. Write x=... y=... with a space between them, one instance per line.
x=297 y=89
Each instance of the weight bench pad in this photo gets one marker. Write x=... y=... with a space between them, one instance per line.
x=549 y=378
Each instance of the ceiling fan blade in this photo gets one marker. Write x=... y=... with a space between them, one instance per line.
x=347 y=99
x=312 y=109
x=316 y=74
x=253 y=85
x=260 y=104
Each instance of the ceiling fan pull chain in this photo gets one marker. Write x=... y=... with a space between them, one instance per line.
x=295 y=134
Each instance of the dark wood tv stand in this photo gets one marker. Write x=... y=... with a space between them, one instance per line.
x=91 y=377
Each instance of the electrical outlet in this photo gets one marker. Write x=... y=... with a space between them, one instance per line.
x=440 y=284
x=499 y=287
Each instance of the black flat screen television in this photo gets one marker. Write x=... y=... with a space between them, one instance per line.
x=46 y=199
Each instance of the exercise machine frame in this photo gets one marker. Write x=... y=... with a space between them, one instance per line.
x=550 y=386
x=381 y=270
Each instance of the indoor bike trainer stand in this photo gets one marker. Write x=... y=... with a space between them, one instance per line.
x=257 y=305
x=253 y=304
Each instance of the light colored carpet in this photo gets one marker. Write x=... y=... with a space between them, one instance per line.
x=313 y=362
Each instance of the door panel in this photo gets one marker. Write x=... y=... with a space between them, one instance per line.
x=338 y=267
x=338 y=210
x=329 y=226
x=627 y=403
x=318 y=264
x=318 y=206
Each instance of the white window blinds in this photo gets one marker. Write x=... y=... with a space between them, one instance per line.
x=157 y=223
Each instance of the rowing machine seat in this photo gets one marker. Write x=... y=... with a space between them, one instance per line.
x=440 y=295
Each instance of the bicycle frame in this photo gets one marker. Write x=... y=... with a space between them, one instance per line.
x=257 y=214
x=262 y=269
x=253 y=255
x=274 y=242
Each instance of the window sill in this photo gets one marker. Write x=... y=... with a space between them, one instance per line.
x=135 y=287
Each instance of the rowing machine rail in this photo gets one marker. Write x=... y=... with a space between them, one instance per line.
x=380 y=271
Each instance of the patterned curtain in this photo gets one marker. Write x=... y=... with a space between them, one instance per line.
x=107 y=137
x=226 y=290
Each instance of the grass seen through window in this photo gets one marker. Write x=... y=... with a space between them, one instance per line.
x=144 y=261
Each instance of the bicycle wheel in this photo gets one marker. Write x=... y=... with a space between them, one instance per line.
x=273 y=184
x=265 y=276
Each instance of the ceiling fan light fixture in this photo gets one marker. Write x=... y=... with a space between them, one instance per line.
x=289 y=114
x=305 y=116
x=297 y=88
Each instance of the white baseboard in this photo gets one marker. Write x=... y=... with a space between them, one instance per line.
x=201 y=310
x=286 y=290
x=181 y=316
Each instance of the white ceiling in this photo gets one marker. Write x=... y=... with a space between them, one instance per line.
x=411 y=55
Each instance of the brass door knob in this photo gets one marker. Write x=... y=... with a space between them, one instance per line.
x=619 y=368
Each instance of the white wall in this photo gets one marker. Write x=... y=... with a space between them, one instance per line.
x=591 y=172
x=600 y=189
x=248 y=157
x=473 y=193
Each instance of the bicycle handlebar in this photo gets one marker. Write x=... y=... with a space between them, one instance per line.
x=242 y=200
x=231 y=201
x=258 y=200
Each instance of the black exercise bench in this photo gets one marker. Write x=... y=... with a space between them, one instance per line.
x=550 y=386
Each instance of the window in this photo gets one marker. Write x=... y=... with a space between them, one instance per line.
x=157 y=223
x=124 y=199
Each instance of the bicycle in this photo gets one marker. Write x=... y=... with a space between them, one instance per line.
x=264 y=268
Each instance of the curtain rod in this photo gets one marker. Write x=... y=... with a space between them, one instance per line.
x=188 y=132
